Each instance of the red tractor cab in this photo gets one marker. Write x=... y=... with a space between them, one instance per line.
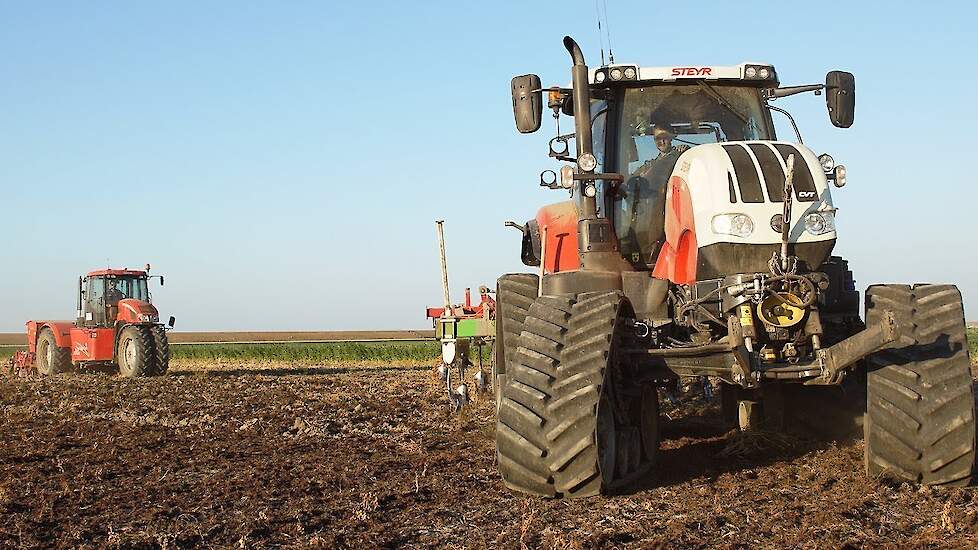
x=116 y=324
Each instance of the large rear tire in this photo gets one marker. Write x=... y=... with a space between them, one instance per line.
x=570 y=422
x=135 y=353
x=161 y=351
x=515 y=292
x=50 y=358
x=920 y=422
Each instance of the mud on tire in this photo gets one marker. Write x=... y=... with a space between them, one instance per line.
x=51 y=359
x=920 y=422
x=515 y=292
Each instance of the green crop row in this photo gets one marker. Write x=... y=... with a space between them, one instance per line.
x=306 y=353
x=309 y=353
x=341 y=351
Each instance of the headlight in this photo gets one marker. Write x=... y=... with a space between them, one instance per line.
x=630 y=73
x=763 y=72
x=840 y=176
x=827 y=162
x=147 y=318
x=738 y=225
x=820 y=223
x=587 y=162
x=590 y=190
x=750 y=72
x=599 y=77
x=616 y=74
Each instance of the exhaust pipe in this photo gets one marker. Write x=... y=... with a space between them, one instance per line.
x=582 y=114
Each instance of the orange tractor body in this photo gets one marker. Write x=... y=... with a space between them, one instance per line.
x=116 y=325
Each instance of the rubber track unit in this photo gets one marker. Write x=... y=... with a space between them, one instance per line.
x=524 y=417
x=577 y=392
x=515 y=293
x=920 y=420
x=60 y=357
x=547 y=424
x=161 y=351
x=145 y=360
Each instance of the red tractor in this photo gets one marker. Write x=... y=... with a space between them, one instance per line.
x=116 y=325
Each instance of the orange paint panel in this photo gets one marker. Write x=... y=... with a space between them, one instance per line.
x=59 y=328
x=130 y=310
x=677 y=260
x=560 y=219
x=92 y=344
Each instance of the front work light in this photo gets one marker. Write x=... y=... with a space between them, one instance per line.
x=587 y=162
x=567 y=176
x=840 y=176
x=827 y=162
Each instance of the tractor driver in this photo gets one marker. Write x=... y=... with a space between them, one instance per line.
x=647 y=191
x=112 y=293
x=661 y=166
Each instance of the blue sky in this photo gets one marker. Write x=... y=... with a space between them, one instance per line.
x=283 y=163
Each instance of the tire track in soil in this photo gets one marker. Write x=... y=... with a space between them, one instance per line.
x=364 y=457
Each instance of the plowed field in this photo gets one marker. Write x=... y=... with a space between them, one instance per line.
x=247 y=456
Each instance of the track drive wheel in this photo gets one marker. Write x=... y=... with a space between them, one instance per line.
x=51 y=359
x=570 y=424
x=920 y=421
x=135 y=353
x=161 y=351
x=514 y=294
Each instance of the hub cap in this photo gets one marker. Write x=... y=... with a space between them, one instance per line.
x=129 y=352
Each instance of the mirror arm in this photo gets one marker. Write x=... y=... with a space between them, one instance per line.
x=774 y=93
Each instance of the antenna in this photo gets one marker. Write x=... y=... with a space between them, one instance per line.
x=607 y=29
x=597 y=12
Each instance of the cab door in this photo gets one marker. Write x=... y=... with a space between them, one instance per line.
x=95 y=302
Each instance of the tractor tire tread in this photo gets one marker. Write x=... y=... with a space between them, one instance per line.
x=920 y=404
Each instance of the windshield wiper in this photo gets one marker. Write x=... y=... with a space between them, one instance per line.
x=711 y=91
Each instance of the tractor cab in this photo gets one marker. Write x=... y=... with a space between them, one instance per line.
x=661 y=140
x=657 y=118
x=110 y=295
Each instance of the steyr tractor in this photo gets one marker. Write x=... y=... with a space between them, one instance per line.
x=116 y=326
x=695 y=243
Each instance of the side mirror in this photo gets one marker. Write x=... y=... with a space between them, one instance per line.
x=161 y=280
x=527 y=103
x=171 y=321
x=840 y=98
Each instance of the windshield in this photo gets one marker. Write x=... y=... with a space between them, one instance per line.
x=120 y=288
x=658 y=124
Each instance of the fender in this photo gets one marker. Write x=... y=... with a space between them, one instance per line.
x=677 y=260
x=560 y=221
x=61 y=330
